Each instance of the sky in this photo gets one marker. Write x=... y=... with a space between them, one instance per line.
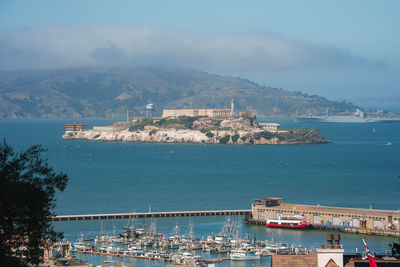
x=337 y=49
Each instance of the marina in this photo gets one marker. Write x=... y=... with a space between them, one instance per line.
x=230 y=247
x=143 y=243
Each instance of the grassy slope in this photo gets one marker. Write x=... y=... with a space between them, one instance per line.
x=108 y=92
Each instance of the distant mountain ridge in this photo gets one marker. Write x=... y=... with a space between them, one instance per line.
x=109 y=92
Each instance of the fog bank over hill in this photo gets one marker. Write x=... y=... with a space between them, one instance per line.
x=109 y=92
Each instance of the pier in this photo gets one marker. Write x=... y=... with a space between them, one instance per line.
x=160 y=214
x=347 y=229
x=350 y=220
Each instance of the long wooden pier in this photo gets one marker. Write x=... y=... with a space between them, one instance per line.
x=160 y=214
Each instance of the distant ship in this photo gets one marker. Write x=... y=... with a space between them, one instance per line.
x=357 y=117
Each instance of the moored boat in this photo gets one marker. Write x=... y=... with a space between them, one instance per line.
x=78 y=246
x=243 y=255
x=289 y=222
x=135 y=250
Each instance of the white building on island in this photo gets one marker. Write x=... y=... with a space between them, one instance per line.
x=223 y=113
x=270 y=127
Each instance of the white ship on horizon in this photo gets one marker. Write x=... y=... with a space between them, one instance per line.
x=357 y=117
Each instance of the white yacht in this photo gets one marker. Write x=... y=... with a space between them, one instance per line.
x=135 y=250
x=243 y=255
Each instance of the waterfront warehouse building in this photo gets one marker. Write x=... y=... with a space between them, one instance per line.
x=384 y=222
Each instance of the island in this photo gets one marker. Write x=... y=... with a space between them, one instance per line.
x=235 y=129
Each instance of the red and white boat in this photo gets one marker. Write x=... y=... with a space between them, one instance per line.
x=290 y=222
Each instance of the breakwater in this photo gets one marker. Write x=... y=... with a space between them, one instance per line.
x=161 y=214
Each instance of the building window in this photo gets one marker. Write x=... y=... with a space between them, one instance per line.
x=336 y=221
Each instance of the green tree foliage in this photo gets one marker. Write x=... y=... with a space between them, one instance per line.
x=146 y=121
x=265 y=134
x=209 y=134
x=301 y=131
x=139 y=125
x=28 y=186
x=224 y=139
x=167 y=122
x=187 y=121
x=235 y=137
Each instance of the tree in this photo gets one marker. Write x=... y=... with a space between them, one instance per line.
x=225 y=139
x=28 y=186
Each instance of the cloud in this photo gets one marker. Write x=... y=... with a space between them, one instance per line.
x=56 y=47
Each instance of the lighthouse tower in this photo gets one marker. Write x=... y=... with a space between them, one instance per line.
x=232 y=108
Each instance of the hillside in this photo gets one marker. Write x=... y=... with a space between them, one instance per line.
x=101 y=92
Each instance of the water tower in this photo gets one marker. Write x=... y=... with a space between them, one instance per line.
x=149 y=110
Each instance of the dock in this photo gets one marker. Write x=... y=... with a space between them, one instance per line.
x=347 y=229
x=128 y=255
x=160 y=214
x=350 y=220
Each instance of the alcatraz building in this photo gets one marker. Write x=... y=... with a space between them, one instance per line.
x=73 y=127
x=330 y=217
x=222 y=113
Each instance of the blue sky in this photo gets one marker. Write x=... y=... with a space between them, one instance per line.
x=337 y=49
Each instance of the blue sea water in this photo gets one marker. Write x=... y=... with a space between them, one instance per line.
x=358 y=169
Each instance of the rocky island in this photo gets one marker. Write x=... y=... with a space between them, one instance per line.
x=240 y=129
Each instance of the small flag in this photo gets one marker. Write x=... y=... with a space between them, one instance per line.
x=371 y=260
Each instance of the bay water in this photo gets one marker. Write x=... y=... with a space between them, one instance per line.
x=360 y=168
